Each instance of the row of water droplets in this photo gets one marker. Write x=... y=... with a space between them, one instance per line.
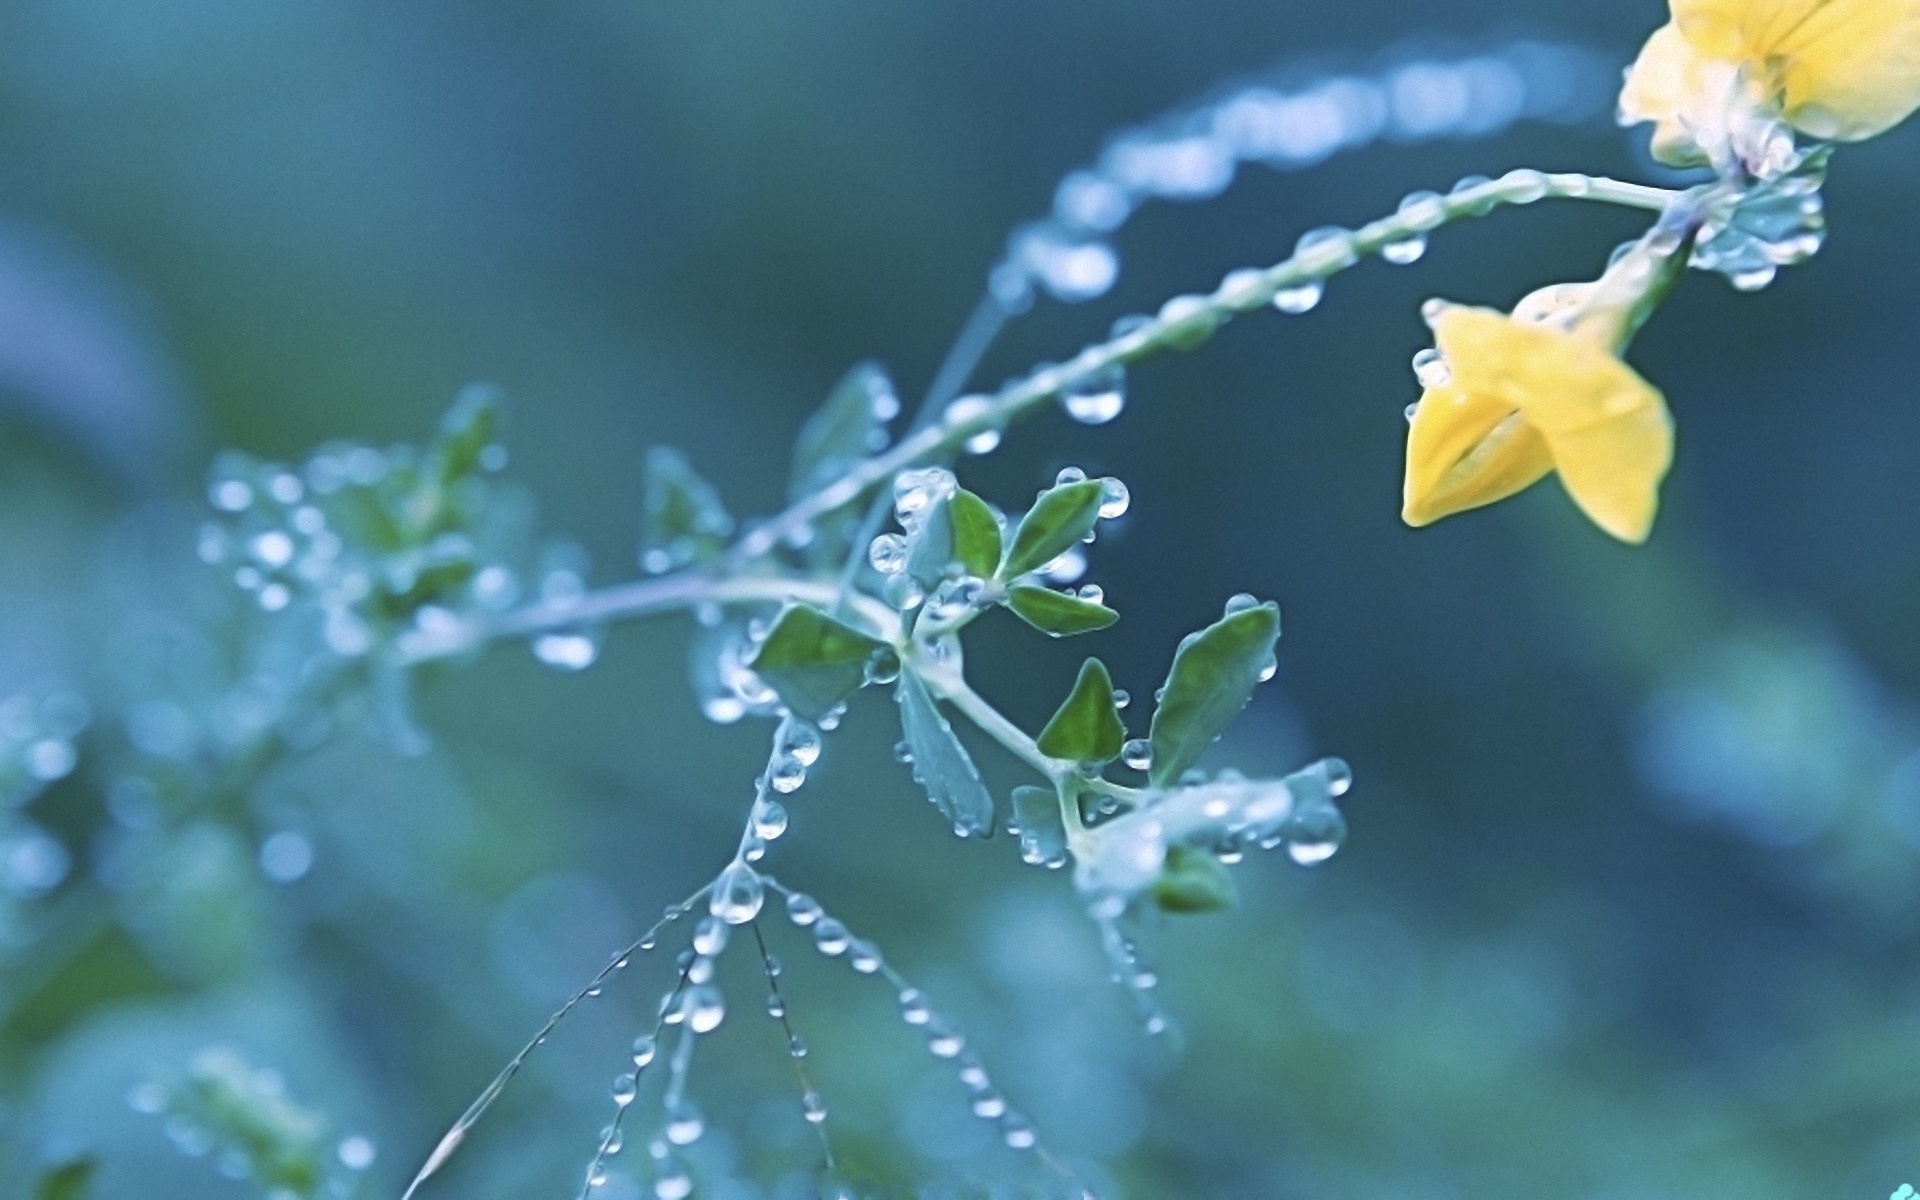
x=39 y=732
x=944 y=1040
x=1288 y=120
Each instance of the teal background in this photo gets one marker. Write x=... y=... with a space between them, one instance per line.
x=1627 y=907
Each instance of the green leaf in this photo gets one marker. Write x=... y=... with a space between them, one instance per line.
x=846 y=428
x=1087 y=727
x=814 y=661
x=1057 y=613
x=976 y=534
x=68 y=1181
x=1213 y=676
x=1193 y=881
x=1056 y=523
x=469 y=427
x=682 y=520
x=940 y=763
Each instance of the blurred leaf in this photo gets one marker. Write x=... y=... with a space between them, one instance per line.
x=1213 y=676
x=976 y=534
x=1193 y=881
x=1057 y=613
x=814 y=661
x=1056 y=523
x=846 y=428
x=1087 y=727
x=682 y=520
x=940 y=763
x=930 y=546
x=68 y=1181
x=1036 y=815
x=470 y=426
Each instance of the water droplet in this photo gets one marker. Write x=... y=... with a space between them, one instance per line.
x=864 y=957
x=1299 y=298
x=710 y=935
x=1423 y=211
x=1431 y=369
x=943 y=1042
x=1326 y=249
x=1524 y=186
x=1411 y=411
x=1404 y=251
x=1268 y=669
x=672 y=1184
x=830 y=937
x=1067 y=568
x=813 y=1106
x=1069 y=475
x=737 y=896
x=776 y=1005
x=567 y=651
x=1114 y=498
x=769 y=819
x=786 y=773
x=1137 y=753
x=1339 y=776
x=802 y=909
x=989 y=1105
x=684 y=1124
x=984 y=442
x=704 y=1008
x=1754 y=280
x=904 y=592
x=966 y=409
x=888 y=553
x=644 y=1050
x=1122 y=697
x=1240 y=602
x=913 y=1007
x=914 y=492
x=797 y=1046
x=1097 y=398
x=1017 y=1131
x=1092 y=593
x=624 y=1089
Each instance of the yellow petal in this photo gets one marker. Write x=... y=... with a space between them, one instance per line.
x=1664 y=84
x=1605 y=429
x=1466 y=450
x=1843 y=69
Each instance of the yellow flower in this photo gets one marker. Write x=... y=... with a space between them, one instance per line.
x=1540 y=391
x=1836 y=69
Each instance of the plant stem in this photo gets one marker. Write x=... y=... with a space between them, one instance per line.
x=1185 y=321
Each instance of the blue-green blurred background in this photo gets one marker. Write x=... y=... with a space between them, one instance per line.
x=1627 y=909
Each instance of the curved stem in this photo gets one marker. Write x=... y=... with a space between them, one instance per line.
x=1180 y=325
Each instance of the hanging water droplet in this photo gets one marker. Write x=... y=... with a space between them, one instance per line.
x=1404 y=251
x=1069 y=475
x=672 y=1184
x=1115 y=499
x=700 y=970
x=914 y=492
x=1423 y=211
x=1411 y=411
x=913 y=1007
x=830 y=937
x=769 y=819
x=705 y=1008
x=802 y=909
x=984 y=442
x=973 y=1075
x=1339 y=776
x=1137 y=753
x=776 y=1006
x=737 y=896
x=624 y=1089
x=1092 y=593
x=1268 y=668
x=1067 y=568
x=1299 y=298
x=684 y=1124
x=813 y=1106
x=797 y=1046
x=1017 y=1131
x=710 y=935
x=989 y=1105
x=1313 y=836
x=888 y=553
x=1754 y=280
x=1324 y=250
x=612 y=1141
x=1098 y=397
x=904 y=592
x=1431 y=369
x=644 y=1050
x=567 y=651
x=864 y=956
x=943 y=1042
x=786 y=773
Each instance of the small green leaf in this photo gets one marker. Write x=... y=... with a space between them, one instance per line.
x=814 y=661
x=68 y=1181
x=1056 y=613
x=976 y=534
x=940 y=763
x=1087 y=727
x=1056 y=523
x=846 y=428
x=1193 y=881
x=1213 y=676
x=682 y=520
x=469 y=427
